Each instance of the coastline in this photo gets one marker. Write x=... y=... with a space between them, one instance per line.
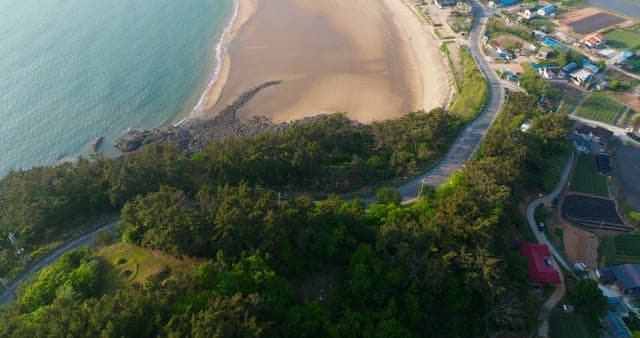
x=389 y=71
x=244 y=10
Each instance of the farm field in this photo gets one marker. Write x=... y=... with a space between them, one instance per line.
x=586 y=178
x=570 y=98
x=623 y=39
x=599 y=107
x=593 y=213
x=127 y=263
x=569 y=325
x=620 y=249
x=595 y=22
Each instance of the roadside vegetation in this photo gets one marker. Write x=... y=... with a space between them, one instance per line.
x=586 y=179
x=600 y=107
x=473 y=91
x=447 y=265
x=569 y=325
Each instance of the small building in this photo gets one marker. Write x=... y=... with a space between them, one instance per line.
x=529 y=13
x=541 y=269
x=570 y=67
x=622 y=57
x=626 y=276
x=618 y=306
x=445 y=3
x=594 y=41
x=598 y=134
x=551 y=72
x=581 y=145
x=526 y=125
x=581 y=77
x=616 y=327
x=502 y=52
x=545 y=53
x=549 y=10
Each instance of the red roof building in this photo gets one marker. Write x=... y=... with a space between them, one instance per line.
x=541 y=269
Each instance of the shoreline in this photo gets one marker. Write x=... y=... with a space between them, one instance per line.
x=412 y=76
x=242 y=12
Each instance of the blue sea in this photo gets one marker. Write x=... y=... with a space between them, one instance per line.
x=73 y=70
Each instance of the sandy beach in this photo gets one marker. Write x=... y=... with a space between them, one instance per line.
x=373 y=59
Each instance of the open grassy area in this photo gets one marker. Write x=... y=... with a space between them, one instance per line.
x=586 y=178
x=569 y=325
x=599 y=107
x=127 y=263
x=623 y=39
x=472 y=92
x=552 y=170
x=620 y=249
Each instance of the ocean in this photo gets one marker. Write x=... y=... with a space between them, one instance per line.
x=73 y=70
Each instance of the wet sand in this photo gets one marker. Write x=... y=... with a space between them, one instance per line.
x=370 y=58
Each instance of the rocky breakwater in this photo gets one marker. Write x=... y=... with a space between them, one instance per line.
x=195 y=134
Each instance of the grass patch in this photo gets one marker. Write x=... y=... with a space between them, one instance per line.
x=599 y=107
x=569 y=99
x=586 y=178
x=127 y=263
x=552 y=170
x=472 y=92
x=623 y=39
x=620 y=249
x=634 y=62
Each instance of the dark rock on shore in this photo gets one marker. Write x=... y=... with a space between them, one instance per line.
x=193 y=135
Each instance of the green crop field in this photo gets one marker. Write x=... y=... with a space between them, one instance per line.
x=586 y=178
x=623 y=39
x=599 y=107
x=569 y=325
x=620 y=249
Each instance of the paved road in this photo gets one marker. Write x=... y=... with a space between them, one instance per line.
x=469 y=140
x=8 y=293
x=543 y=329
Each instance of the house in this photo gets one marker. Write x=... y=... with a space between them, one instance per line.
x=597 y=134
x=618 y=306
x=549 y=10
x=626 y=276
x=526 y=125
x=616 y=327
x=540 y=268
x=582 y=146
x=594 y=41
x=570 y=67
x=529 y=13
x=551 y=72
x=581 y=77
x=545 y=53
x=590 y=66
x=622 y=57
x=444 y=3
x=502 y=52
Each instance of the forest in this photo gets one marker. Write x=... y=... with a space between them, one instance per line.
x=446 y=266
x=331 y=155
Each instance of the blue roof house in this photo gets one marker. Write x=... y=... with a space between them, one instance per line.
x=570 y=67
x=616 y=327
x=508 y=2
x=547 y=10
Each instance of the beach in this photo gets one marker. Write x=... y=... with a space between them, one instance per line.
x=372 y=59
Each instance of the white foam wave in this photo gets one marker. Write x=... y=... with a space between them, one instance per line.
x=221 y=47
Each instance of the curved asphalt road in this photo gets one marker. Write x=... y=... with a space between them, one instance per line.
x=543 y=329
x=8 y=292
x=469 y=140
x=460 y=152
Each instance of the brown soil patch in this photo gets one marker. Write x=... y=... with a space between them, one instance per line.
x=630 y=99
x=580 y=245
x=568 y=18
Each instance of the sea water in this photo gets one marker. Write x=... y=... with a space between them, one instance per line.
x=74 y=70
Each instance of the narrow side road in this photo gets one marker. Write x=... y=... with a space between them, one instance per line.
x=8 y=295
x=543 y=329
x=469 y=140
